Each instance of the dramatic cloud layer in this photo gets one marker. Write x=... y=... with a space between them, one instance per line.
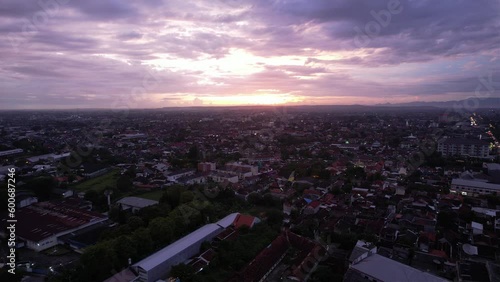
x=153 y=53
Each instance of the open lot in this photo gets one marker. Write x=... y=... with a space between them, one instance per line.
x=99 y=183
x=154 y=195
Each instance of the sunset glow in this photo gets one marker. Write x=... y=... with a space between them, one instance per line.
x=96 y=53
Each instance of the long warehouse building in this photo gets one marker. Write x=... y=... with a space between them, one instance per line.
x=157 y=266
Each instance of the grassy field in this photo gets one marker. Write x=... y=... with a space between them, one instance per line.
x=154 y=195
x=99 y=183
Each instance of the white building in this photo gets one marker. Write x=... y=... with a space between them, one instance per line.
x=493 y=215
x=48 y=157
x=157 y=266
x=176 y=175
x=135 y=203
x=219 y=176
x=473 y=187
x=367 y=265
x=242 y=170
x=464 y=147
x=192 y=179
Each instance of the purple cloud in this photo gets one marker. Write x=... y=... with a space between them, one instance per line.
x=90 y=53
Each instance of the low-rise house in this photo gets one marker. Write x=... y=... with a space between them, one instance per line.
x=181 y=173
x=220 y=176
x=312 y=208
x=135 y=204
x=269 y=259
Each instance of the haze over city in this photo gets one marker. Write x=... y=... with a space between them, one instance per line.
x=151 y=54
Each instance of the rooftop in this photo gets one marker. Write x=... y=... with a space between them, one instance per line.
x=478 y=184
x=463 y=141
x=137 y=202
x=386 y=269
x=186 y=241
x=45 y=219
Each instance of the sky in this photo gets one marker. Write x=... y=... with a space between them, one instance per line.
x=59 y=54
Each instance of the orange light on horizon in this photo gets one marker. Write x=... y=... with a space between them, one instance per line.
x=251 y=99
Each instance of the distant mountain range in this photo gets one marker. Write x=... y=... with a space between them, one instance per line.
x=487 y=103
x=492 y=103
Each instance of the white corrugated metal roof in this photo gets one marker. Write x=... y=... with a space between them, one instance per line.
x=137 y=202
x=386 y=269
x=176 y=247
x=228 y=220
x=180 y=245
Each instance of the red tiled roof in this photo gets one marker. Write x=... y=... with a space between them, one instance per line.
x=258 y=267
x=312 y=192
x=265 y=260
x=243 y=220
x=314 y=204
x=328 y=199
x=439 y=253
x=227 y=234
x=61 y=179
x=430 y=236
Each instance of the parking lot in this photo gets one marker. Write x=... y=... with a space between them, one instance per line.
x=41 y=263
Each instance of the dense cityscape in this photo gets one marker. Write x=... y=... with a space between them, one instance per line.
x=250 y=141
x=253 y=194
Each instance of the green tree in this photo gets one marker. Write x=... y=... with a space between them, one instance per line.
x=118 y=215
x=193 y=153
x=347 y=188
x=135 y=222
x=98 y=261
x=124 y=183
x=172 y=196
x=124 y=248
x=255 y=199
x=141 y=238
x=42 y=187
x=161 y=230
x=186 y=197
x=92 y=195
x=355 y=173
x=446 y=219
x=274 y=217
x=183 y=272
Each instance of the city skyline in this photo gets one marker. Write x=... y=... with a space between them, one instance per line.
x=153 y=54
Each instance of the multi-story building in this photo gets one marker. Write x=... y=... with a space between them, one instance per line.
x=464 y=147
x=473 y=187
